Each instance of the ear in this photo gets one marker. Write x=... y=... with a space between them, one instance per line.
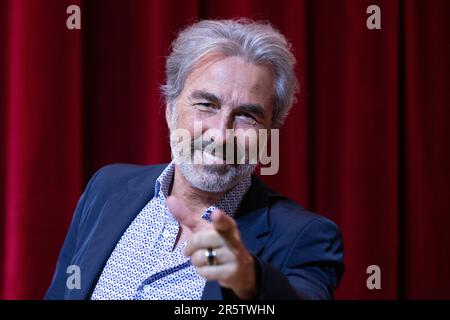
x=168 y=115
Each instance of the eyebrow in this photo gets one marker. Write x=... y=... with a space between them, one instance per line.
x=200 y=94
x=255 y=109
x=252 y=108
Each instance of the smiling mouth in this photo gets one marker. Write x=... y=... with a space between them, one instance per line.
x=204 y=157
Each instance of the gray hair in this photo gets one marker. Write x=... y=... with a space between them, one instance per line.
x=257 y=42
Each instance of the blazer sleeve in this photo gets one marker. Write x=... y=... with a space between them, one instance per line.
x=313 y=267
x=58 y=284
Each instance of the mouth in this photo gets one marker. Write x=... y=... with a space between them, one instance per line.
x=204 y=157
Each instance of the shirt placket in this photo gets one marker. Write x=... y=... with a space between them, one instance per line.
x=166 y=258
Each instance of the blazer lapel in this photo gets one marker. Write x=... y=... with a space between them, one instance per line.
x=252 y=218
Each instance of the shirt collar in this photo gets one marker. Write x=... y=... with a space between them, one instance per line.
x=229 y=203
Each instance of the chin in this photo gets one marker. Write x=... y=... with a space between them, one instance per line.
x=215 y=177
x=210 y=178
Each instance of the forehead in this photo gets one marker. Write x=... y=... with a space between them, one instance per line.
x=232 y=78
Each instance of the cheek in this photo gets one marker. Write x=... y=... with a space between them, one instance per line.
x=247 y=141
x=188 y=115
x=184 y=119
x=191 y=123
x=253 y=144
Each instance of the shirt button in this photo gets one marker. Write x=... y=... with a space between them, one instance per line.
x=147 y=288
x=166 y=233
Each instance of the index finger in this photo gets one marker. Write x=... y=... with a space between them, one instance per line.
x=226 y=226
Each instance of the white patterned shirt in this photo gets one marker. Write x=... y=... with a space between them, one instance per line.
x=144 y=265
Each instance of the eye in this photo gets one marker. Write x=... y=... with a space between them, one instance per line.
x=248 y=118
x=204 y=105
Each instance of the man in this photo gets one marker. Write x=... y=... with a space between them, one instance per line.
x=204 y=226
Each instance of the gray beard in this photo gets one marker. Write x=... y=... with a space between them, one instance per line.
x=209 y=177
x=215 y=177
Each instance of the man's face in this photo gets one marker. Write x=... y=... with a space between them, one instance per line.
x=221 y=93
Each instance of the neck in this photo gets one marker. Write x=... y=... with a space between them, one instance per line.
x=195 y=199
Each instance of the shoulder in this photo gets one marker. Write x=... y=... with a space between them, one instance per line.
x=126 y=171
x=119 y=174
x=285 y=218
x=290 y=218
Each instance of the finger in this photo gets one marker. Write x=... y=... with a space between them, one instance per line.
x=226 y=226
x=220 y=272
x=202 y=240
x=222 y=222
x=223 y=255
x=186 y=217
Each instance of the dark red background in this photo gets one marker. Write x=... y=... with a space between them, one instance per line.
x=364 y=146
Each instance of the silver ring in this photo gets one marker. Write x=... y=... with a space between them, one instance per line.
x=211 y=255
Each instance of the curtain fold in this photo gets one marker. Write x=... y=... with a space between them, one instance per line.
x=42 y=144
x=365 y=144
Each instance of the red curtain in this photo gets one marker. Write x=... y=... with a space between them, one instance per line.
x=364 y=146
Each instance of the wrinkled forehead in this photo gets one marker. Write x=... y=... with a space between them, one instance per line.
x=231 y=78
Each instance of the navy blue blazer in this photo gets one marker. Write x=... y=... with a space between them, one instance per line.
x=299 y=254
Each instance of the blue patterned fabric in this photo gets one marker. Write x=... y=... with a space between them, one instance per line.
x=144 y=265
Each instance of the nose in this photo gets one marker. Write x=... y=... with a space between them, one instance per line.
x=216 y=127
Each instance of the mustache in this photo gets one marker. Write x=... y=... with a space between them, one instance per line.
x=217 y=150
